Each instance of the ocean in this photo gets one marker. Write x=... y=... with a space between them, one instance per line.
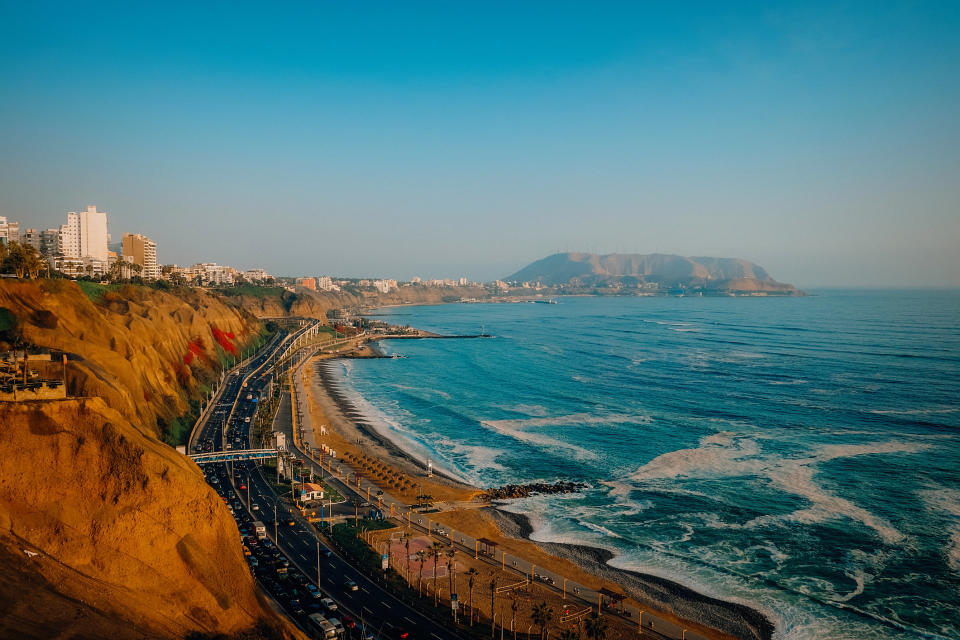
x=798 y=455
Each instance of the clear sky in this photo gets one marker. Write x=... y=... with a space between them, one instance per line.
x=821 y=140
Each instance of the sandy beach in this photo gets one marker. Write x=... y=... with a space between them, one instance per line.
x=404 y=475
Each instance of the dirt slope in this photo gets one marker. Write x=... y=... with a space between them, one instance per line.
x=130 y=541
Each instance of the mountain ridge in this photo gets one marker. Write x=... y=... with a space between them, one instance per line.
x=657 y=271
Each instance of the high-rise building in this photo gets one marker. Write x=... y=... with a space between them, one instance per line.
x=93 y=234
x=9 y=231
x=31 y=237
x=141 y=250
x=49 y=243
x=68 y=240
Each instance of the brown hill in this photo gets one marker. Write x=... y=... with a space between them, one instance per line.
x=666 y=271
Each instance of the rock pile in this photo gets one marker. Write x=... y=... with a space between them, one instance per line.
x=512 y=491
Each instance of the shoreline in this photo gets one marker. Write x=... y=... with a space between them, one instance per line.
x=665 y=594
x=668 y=598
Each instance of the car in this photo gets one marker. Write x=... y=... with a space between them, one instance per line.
x=256 y=507
x=366 y=633
x=326 y=552
x=350 y=585
x=243 y=487
x=329 y=604
x=292 y=523
x=312 y=588
x=348 y=621
x=399 y=633
x=337 y=625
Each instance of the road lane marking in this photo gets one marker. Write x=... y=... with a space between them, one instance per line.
x=409 y=620
x=364 y=589
x=385 y=604
x=367 y=609
x=436 y=636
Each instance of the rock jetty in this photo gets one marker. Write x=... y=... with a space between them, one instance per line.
x=512 y=491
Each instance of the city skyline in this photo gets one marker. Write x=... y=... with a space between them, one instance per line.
x=437 y=141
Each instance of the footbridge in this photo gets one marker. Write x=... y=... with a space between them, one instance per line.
x=234 y=455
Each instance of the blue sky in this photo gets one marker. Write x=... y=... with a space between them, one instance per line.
x=445 y=139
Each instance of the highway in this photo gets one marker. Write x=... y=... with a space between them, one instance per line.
x=226 y=426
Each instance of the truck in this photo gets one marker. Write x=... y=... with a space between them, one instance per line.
x=260 y=529
x=321 y=626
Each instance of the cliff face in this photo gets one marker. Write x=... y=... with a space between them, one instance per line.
x=315 y=304
x=147 y=353
x=104 y=530
x=129 y=540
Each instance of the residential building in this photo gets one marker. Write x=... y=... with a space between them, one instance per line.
x=309 y=283
x=256 y=275
x=49 y=243
x=141 y=250
x=9 y=231
x=68 y=240
x=93 y=234
x=31 y=237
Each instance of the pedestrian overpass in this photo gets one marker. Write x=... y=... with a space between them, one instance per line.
x=234 y=455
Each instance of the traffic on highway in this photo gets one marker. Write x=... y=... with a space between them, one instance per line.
x=321 y=592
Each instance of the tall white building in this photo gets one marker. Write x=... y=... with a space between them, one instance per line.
x=69 y=240
x=93 y=234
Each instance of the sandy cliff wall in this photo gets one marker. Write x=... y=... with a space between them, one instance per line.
x=311 y=304
x=104 y=530
x=147 y=353
x=130 y=542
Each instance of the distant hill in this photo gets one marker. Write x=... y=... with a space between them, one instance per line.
x=652 y=271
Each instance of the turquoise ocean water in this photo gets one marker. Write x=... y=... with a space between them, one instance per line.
x=799 y=455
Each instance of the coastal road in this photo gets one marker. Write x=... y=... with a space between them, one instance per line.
x=227 y=424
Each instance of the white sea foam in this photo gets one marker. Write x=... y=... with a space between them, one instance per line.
x=529 y=409
x=508 y=428
x=947 y=502
x=726 y=454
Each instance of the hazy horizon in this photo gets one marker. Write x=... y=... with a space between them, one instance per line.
x=432 y=140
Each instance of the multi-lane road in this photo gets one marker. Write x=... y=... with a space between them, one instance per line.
x=291 y=539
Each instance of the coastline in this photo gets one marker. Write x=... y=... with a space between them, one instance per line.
x=712 y=617
x=737 y=619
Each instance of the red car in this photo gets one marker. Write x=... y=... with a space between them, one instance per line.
x=348 y=622
x=243 y=487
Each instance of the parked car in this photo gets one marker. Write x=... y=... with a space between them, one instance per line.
x=350 y=585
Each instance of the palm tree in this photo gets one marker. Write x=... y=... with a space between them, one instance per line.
x=435 y=554
x=421 y=556
x=541 y=616
x=493 y=591
x=406 y=543
x=471 y=576
x=596 y=627
x=451 y=568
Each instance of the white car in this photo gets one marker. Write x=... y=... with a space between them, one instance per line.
x=329 y=605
